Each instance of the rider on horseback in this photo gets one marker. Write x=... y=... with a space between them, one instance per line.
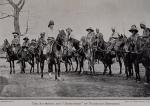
x=113 y=39
x=98 y=42
x=90 y=37
x=133 y=38
x=146 y=34
x=68 y=43
x=42 y=40
x=15 y=42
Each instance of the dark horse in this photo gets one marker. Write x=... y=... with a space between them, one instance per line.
x=68 y=54
x=106 y=57
x=11 y=56
x=55 y=55
x=40 y=57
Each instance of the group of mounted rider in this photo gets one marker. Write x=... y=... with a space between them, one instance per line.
x=91 y=47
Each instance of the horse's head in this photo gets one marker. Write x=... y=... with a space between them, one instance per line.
x=6 y=45
x=61 y=37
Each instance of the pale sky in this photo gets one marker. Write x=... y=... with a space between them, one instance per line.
x=79 y=15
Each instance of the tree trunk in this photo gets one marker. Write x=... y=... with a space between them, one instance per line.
x=16 y=22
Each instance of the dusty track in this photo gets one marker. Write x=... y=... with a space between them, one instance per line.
x=71 y=85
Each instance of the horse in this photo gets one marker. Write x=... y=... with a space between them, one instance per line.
x=143 y=46
x=86 y=53
x=10 y=55
x=71 y=53
x=55 y=55
x=26 y=54
x=105 y=56
x=40 y=56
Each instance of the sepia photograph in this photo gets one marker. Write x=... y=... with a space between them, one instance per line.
x=74 y=49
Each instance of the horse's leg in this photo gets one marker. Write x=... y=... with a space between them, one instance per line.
x=42 y=68
x=10 y=67
x=31 y=67
x=147 y=74
x=33 y=63
x=76 y=59
x=72 y=68
x=138 y=72
x=132 y=71
x=59 y=69
x=120 y=64
x=136 y=66
x=105 y=68
x=110 y=72
x=13 y=63
x=37 y=66
x=56 y=71
x=23 y=65
x=93 y=69
x=66 y=65
x=126 y=69
x=70 y=65
x=81 y=64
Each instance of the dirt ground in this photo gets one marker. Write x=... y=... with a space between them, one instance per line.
x=71 y=85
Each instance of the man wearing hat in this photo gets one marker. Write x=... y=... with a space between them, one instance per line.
x=90 y=36
x=113 y=39
x=146 y=31
x=42 y=40
x=133 y=38
x=33 y=45
x=146 y=34
x=15 y=42
x=98 y=38
x=68 y=42
x=51 y=32
x=25 y=43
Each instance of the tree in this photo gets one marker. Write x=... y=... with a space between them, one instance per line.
x=17 y=7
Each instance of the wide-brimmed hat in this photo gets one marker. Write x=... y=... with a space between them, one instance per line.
x=133 y=28
x=26 y=38
x=69 y=29
x=51 y=22
x=50 y=38
x=15 y=33
x=89 y=29
x=42 y=34
x=33 y=40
